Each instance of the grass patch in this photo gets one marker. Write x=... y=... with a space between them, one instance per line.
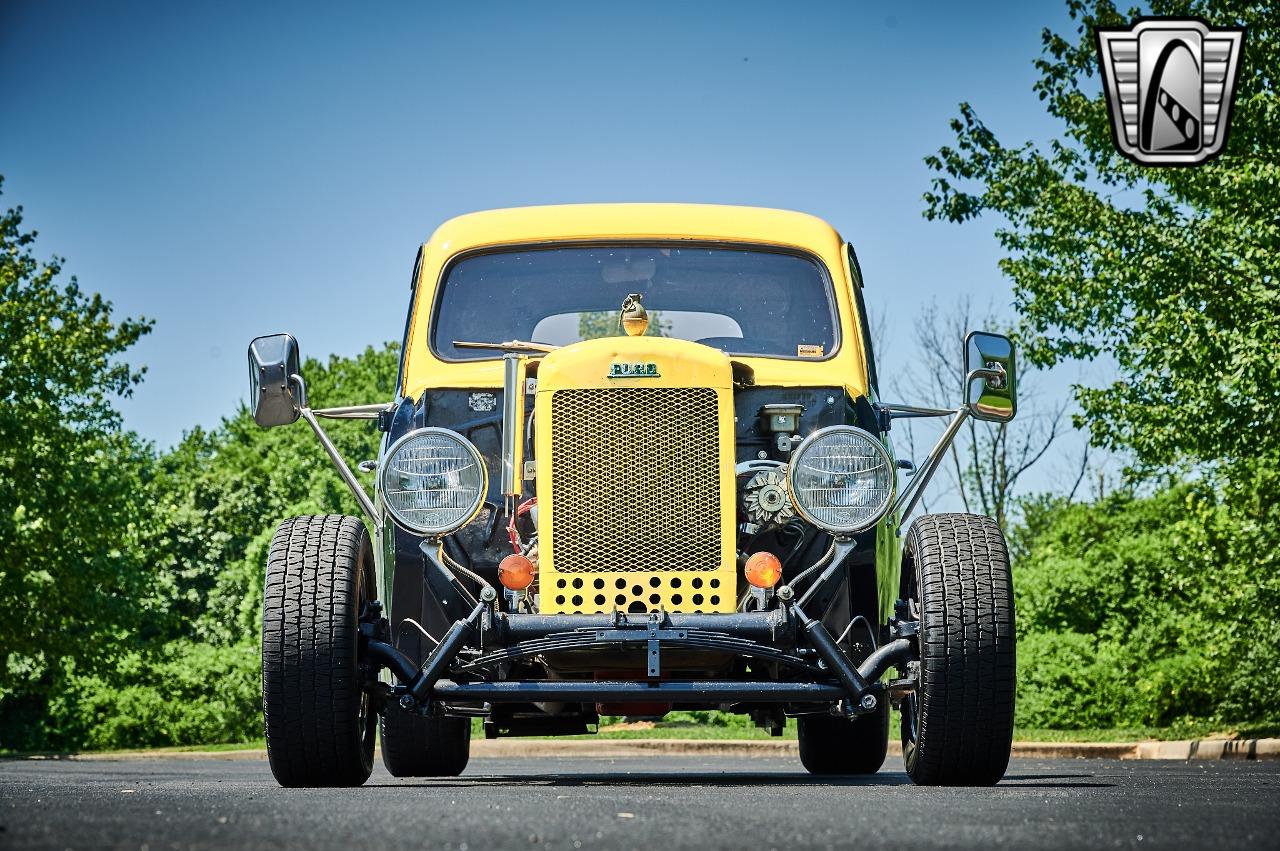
x=721 y=725
x=690 y=725
x=260 y=744
x=222 y=747
x=1188 y=730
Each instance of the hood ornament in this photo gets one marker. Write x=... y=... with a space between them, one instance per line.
x=634 y=319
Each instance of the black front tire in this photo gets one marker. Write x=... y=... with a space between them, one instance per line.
x=834 y=745
x=320 y=726
x=414 y=746
x=957 y=728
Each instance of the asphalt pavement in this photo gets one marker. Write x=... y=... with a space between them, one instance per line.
x=652 y=803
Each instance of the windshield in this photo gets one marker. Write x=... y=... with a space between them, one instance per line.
x=741 y=301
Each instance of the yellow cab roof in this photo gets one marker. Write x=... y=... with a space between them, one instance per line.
x=592 y=222
x=634 y=221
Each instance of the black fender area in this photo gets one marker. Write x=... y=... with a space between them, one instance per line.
x=839 y=602
x=478 y=546
x=417 y=594
x=858 y=596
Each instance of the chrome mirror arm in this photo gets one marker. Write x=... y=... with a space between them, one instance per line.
x=899 y=411
x=348 y=478
x=354 y=412
x=994 y=376
x=911 y=494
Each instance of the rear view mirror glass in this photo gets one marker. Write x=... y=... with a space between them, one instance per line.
x=990 y=376
x=275 y=396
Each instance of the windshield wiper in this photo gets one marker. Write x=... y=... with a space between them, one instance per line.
x=508 y=346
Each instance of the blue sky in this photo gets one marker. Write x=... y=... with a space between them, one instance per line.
x=230 y=170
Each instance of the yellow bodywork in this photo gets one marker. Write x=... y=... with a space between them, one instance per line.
x=623 y=222
x=684 y=364
x=631 y=546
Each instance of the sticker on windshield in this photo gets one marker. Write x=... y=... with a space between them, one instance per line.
x=804 y=350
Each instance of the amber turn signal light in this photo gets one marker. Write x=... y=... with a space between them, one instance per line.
x=515 y=572
x=763 y=570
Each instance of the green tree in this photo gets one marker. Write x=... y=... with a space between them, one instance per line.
x=1149 y=610
x=1172 y=272
x=220 y=495
x=986 y=461
x=74 y=585
x=216 y=499
x=130 y=593
x=1156 y=608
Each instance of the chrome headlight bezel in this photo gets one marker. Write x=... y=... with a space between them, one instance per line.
x=387 y=467
x=806 y=511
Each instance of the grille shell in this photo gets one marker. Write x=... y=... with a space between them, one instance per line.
x=636 y=477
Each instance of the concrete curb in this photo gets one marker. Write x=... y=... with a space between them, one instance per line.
x=1201 y=749
x=1211 y=749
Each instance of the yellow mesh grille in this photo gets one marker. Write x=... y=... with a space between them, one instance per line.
x=635 y=474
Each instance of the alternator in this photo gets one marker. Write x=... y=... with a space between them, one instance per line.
x=764 y=498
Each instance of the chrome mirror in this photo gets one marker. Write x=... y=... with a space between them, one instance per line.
x=276 y=392
x=990 y=385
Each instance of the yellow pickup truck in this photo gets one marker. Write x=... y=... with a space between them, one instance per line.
x=635 y=461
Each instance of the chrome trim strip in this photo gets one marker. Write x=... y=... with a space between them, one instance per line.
x=512 y=424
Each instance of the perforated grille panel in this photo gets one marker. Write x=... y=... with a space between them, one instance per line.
x=682 y=591
x=636 y=482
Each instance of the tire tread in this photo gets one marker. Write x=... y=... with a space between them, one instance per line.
x=413 y=746
x=310 y=682
x=832 y=745
x=968 y=650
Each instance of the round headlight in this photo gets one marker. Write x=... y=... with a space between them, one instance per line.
x=433 y=481
x=841 y=479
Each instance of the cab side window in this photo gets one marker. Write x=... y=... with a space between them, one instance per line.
x=863 y=320
x=404 y=340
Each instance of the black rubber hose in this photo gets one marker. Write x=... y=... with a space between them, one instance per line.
x=399 y=663
x=874 y=666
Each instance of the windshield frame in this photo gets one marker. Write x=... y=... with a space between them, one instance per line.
x=734 y=245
